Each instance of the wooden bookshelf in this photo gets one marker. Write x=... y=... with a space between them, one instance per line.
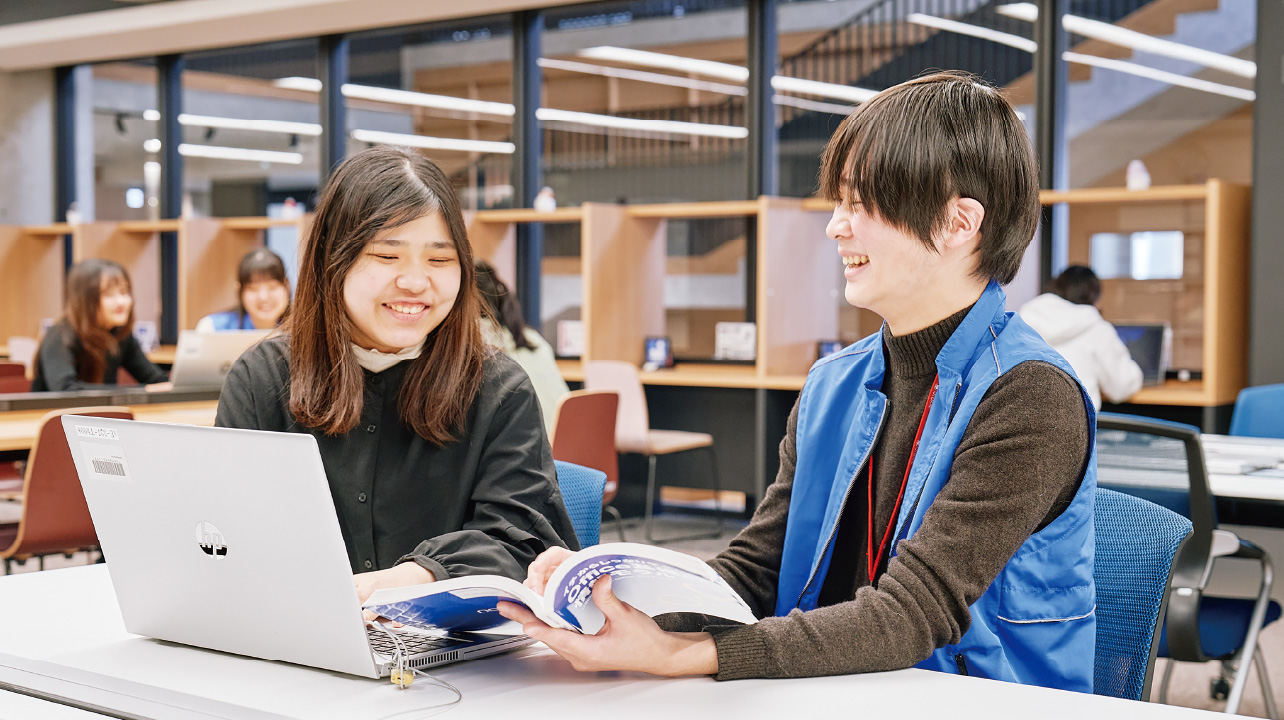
x=1207 y=307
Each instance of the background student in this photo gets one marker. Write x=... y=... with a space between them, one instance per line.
x=431 y=439
x=262 y=295
x=94 y=339
x=503 y=327
x=1069 y=320
x=934 y=504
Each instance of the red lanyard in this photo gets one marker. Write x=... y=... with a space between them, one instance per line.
x=871 y=563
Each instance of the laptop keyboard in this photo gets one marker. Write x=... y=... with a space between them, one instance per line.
x=415 y=643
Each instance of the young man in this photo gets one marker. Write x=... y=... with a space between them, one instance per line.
x=935 y=497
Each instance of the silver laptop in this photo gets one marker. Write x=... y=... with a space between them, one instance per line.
x=204 y=359
x=228 y=540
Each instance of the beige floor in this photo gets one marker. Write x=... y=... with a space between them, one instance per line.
x=1190 y=681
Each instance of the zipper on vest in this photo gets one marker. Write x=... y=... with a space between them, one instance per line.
x=961 y=662
x=843 y=508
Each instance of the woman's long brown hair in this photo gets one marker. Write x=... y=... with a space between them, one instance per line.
x=85 y=283
x=376 y=189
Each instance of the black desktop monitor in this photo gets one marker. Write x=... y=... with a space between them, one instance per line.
x=1146 y=343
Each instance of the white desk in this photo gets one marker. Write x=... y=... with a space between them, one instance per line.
x=1261 y=478
x=65 y=624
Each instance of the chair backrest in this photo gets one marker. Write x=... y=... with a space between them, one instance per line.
x=14 y=384
x=1163 y=462
x=22 y=349
x=1136 y=541
x=9 y=369
x=581 y=489
x=632 y=421
x=1258 y=412
x=584 y=434
x=54 y=515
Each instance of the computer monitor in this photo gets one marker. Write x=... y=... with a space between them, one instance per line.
x=1149 y=345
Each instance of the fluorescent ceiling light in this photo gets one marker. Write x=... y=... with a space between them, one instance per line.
x=642 y=76
x=823 y=89
x=229 y=153
x=781 y=83
x=1160 y=75
x=403 y=97
x=1105 y=63
x=1124 y=37
x=726 y=71
x=671 y=127
x=578 y=119
x=433 y=143
x=963 y=28
x=275 y=126
x=152 y=146
x=812 y=105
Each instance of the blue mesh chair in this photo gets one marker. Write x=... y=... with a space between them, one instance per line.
x=1259 y=412
x=1164 y=462
x=1136 y=542
x=582 y=492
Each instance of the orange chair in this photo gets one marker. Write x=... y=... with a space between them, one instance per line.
x=55 y=518
x=584 y=434
x=13 y=378
x=633 y=434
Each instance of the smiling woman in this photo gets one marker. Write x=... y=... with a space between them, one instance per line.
x=432 y=442
x=94 y=339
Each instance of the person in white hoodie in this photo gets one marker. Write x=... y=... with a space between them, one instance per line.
x=1069 y=321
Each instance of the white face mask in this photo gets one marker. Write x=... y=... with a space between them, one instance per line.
x=377 y=362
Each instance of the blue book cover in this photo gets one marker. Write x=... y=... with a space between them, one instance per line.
x=653 y=580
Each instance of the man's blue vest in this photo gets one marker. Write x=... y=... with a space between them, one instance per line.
x=232 y=320
x=1036 y=623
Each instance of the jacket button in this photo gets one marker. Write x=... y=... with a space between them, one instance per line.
x=376 y=380
x=371 y=428
x=361 y=497
x=369 y=564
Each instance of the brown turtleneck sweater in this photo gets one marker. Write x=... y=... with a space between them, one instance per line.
x=1017 y=468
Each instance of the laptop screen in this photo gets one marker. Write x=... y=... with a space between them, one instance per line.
x=1146 y=344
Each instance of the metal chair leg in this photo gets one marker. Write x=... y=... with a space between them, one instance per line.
x=717 y=503
x=619 y=520
x=1268 y=695
x=1163 y=684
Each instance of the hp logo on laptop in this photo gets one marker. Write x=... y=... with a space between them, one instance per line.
x=210 y=540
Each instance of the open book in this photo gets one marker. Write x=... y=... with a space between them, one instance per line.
x=653 y=580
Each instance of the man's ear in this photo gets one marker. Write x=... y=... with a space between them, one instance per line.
x=964 y=216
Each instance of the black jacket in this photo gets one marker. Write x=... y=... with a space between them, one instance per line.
x=486 y=503
x=56 y=362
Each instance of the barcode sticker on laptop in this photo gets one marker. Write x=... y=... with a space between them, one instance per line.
x=105 y=461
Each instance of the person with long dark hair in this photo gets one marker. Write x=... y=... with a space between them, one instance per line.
x=94 y=339
x=431 y=440
x=262 y=295
x=504 y=327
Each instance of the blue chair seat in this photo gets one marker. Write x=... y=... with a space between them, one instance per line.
x=1223 y=625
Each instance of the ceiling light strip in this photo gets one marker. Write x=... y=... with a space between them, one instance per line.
x=1160 y=75
x=672 y=127
x=273 y=126
x=433 y=143
x=1124 y=37
x=725 y=71
x=977 y=31
x=642 y=76
x=229 y=153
